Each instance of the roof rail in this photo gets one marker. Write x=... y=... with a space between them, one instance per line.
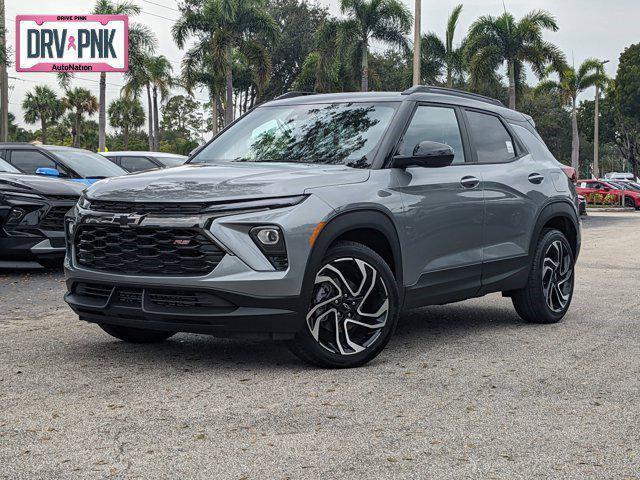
x=292 y=94
x=452 y=91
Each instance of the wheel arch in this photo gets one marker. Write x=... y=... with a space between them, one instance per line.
x=370 y=227
x=562 y=216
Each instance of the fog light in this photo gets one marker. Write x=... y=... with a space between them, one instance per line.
x=15 y=215
x=268 y=236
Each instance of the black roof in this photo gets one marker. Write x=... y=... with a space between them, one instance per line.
x=422 y=93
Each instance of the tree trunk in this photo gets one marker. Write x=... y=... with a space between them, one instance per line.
x=512 y=85
x=76 y=136
x=449 y=77
x=102 y=113
x=43 y=128
x=575 y=141
x=228 y=107
x=125 y=135
x=156 y=128
x=150 y=105
x=364 y=85
x=214 y=118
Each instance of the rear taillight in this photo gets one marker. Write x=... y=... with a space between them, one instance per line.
x=571 y=173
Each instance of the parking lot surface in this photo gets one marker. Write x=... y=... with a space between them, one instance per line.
x=462 y=391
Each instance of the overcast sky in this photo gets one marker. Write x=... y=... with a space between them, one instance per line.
x=588 y=28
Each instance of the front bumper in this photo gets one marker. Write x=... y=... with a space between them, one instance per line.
x=51 y=246
x=179 y=309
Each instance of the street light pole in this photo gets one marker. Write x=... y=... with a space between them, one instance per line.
x=416 y=43
x=4 y=80
x=596 y=131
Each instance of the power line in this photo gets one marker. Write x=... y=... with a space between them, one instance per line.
x=160 y=5
x=173 y=20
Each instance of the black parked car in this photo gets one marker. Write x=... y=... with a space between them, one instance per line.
x=32 y=210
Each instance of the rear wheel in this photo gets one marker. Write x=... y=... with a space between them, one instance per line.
x=630 y=202
x=353 y=309
x=136 y=335
x=549 y=290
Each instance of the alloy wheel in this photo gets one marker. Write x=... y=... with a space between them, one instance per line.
x=557 y=273
x=349 y=307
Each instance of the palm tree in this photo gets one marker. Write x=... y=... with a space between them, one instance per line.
x=42 y=105
x=495 y=41
x=438 y=55
x=570 y=84
x=223 y=26
x=108 y=7
x=200 y=70
x=161 y=81
x=126 y=114
x=79 y=101
x=387 y=21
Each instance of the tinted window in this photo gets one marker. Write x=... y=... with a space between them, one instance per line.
x=137 y=164
x=490 y=138
x=171 y=161
x=28 y=161
x=332 y=134
x=535 y=144
x=433 y=124
x=87 y=164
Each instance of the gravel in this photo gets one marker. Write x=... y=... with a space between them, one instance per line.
x=462 y=391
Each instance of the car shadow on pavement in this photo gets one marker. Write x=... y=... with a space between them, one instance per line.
x=418 y=330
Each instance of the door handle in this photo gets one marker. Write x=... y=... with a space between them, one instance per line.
x=536 y=178
x=469 y=182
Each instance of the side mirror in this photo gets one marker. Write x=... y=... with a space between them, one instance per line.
x=426 y=154
x=49 y=172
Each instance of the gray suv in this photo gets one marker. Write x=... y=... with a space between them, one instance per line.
x=317 y=219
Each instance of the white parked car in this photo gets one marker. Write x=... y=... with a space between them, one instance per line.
x=141 y=161
x=620 y=176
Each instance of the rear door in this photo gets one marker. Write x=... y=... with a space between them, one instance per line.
x=444 y=214
x=516 y=186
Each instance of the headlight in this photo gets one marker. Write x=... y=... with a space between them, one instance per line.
x=270 y=241
x=83 y=202
x=251 y=205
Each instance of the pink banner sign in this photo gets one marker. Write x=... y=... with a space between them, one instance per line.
x=72 y=43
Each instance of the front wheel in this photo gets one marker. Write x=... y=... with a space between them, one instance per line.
x=549 y=289
x=136 y=335
x=353 y=309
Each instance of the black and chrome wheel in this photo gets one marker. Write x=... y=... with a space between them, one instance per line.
x=353 y=308
x=549 y=290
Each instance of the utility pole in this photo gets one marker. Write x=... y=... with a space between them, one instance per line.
x=416 y=43
x=4 y=80
x=596 y=131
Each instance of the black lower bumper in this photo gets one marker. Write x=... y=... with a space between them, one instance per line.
x=180 y=309
x=32 y=247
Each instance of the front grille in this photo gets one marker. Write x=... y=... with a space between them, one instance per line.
x=186 y=299
x=146 y=208
x=54 y=218
x=92 y=290
x=146 y=250
x=63 y=198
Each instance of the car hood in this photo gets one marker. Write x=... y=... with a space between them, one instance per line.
x=199 y=182
x=40 y=184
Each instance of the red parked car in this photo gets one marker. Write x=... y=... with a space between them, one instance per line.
x=590 y=188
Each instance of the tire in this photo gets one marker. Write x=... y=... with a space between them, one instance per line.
x=371 y=298
x=630 y=203
x=530 y=302
x=135 y=335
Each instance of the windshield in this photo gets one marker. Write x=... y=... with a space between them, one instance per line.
x=7 y=167
x=332 y=134
x=171 y=161
x=88 y=164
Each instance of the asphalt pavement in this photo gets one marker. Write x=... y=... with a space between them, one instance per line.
x=465 y=390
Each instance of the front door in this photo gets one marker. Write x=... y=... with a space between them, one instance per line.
x=444 y=213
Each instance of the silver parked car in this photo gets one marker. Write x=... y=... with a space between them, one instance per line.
x=317 y=219
x=133 y=161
